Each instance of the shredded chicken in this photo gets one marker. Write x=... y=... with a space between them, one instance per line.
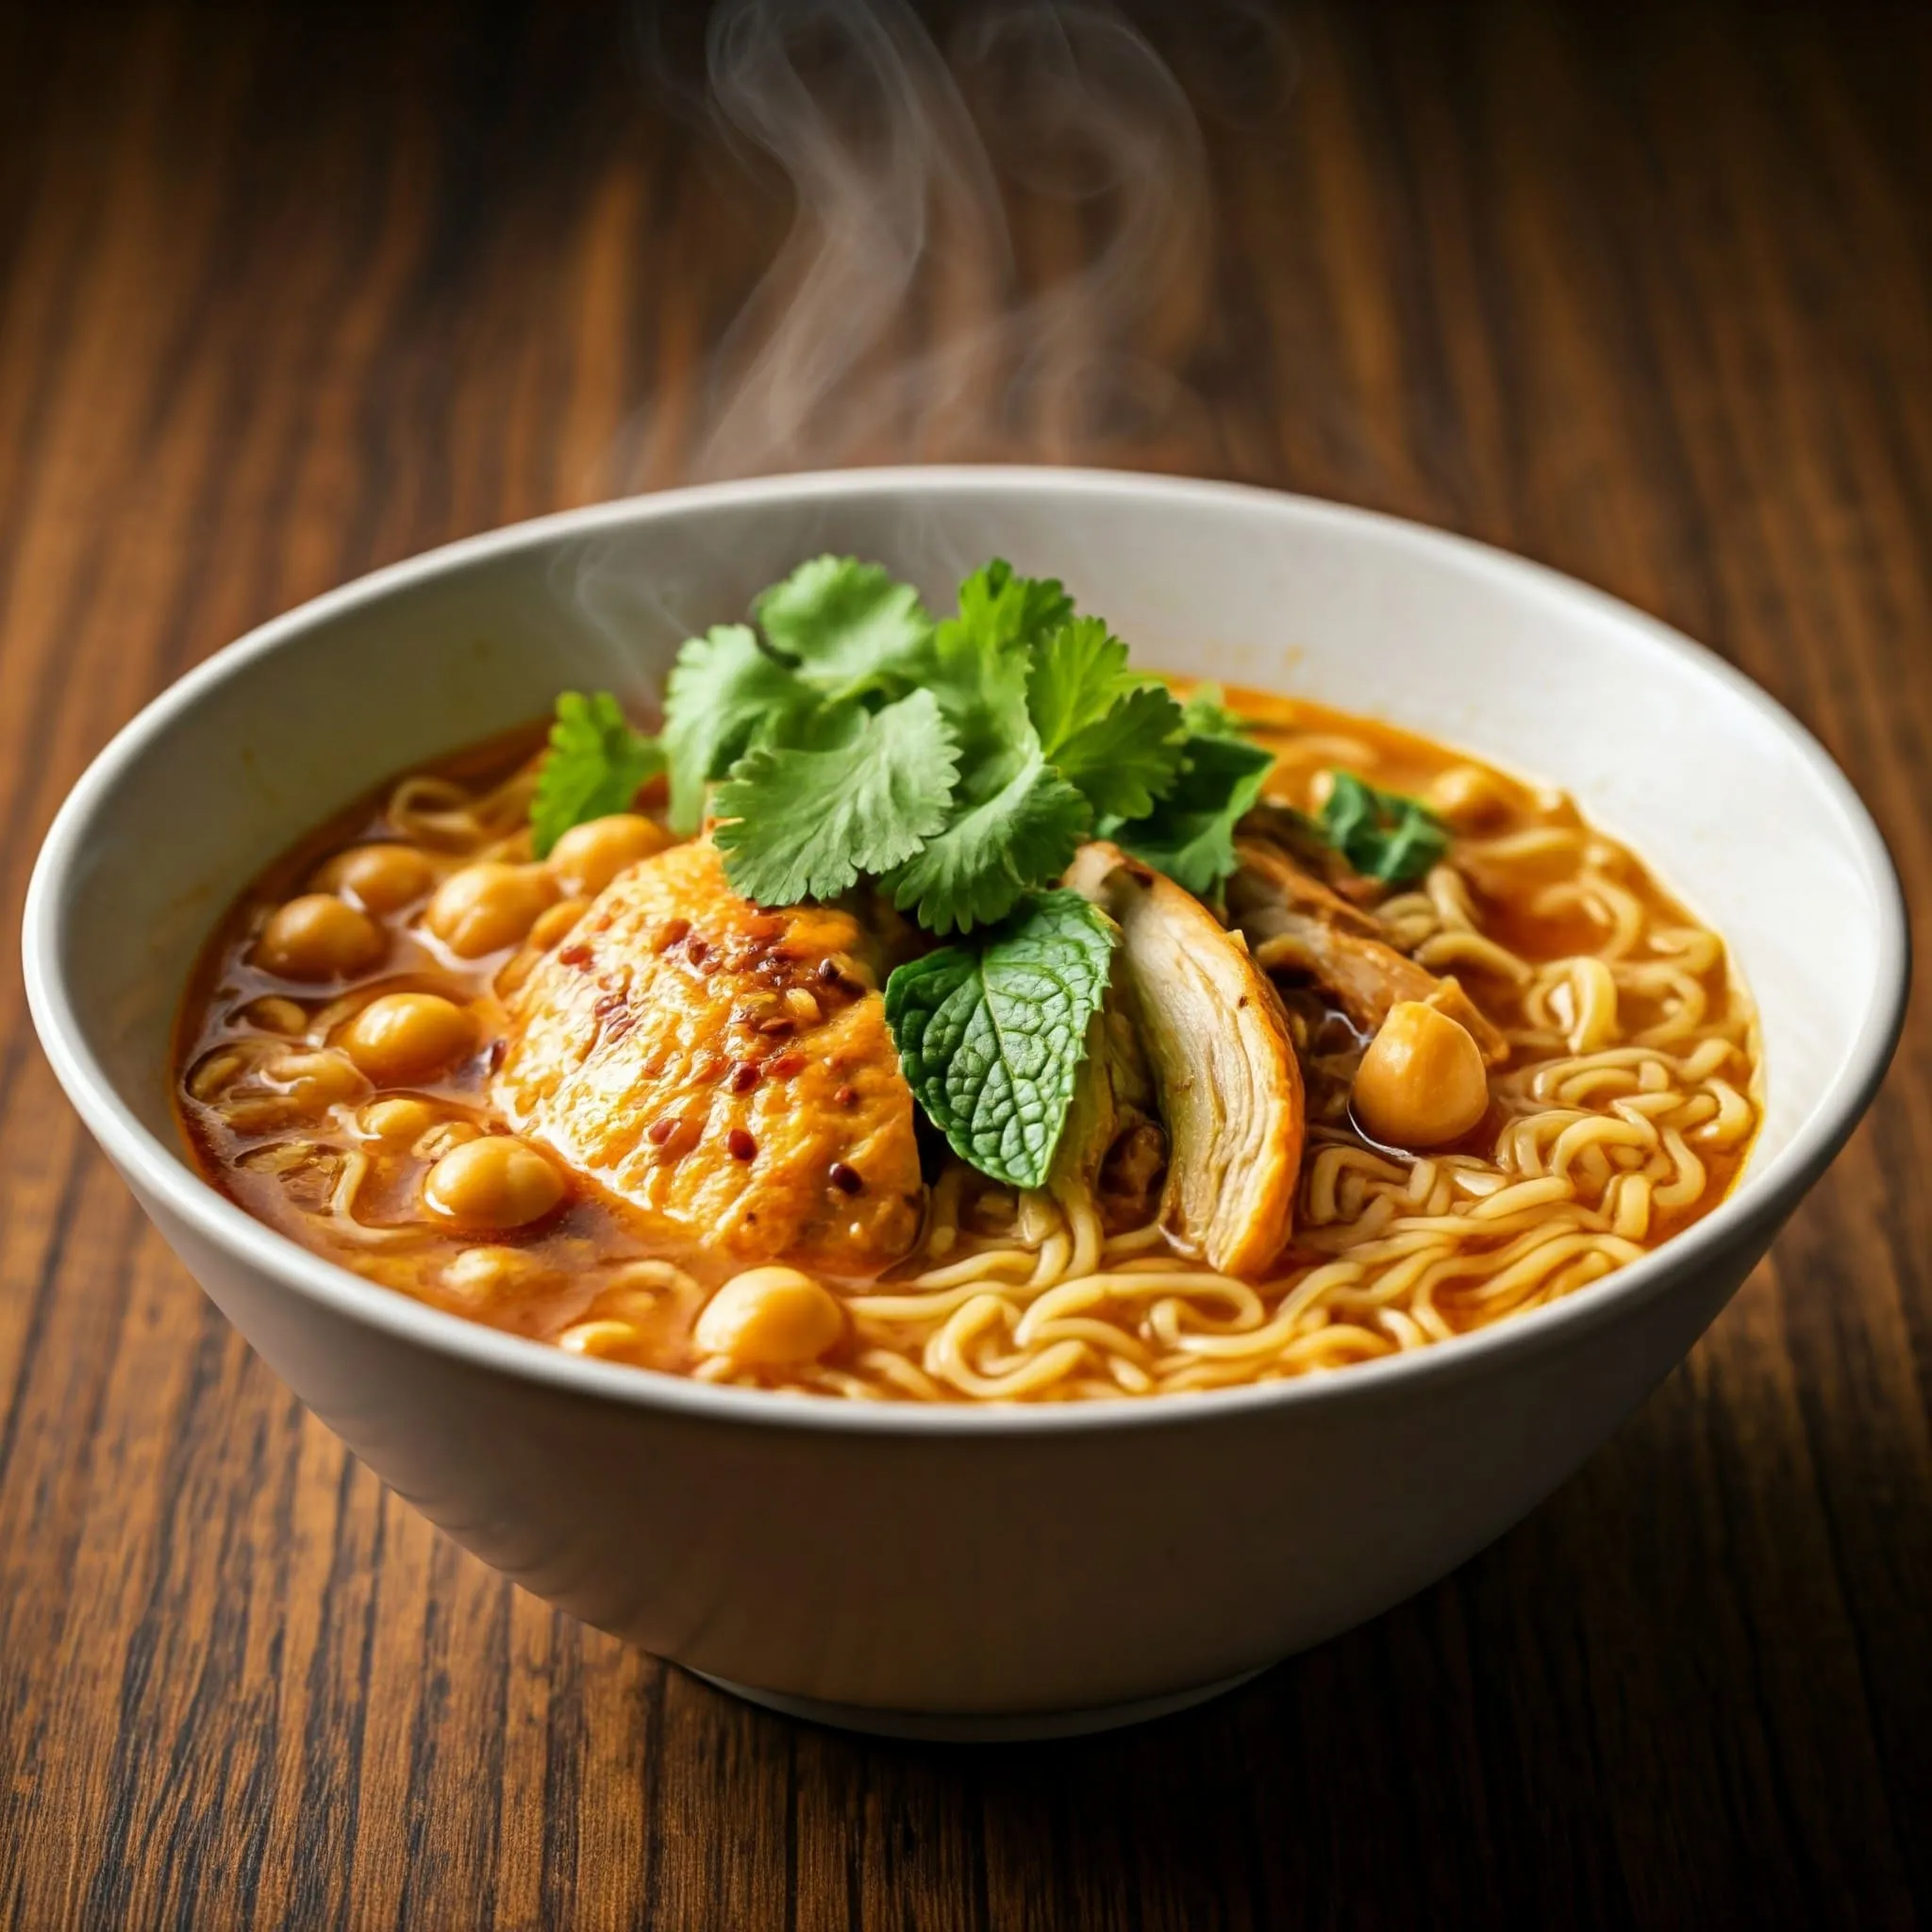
x=1224 y=1069
x=1299 y=926
x=1112 y=1146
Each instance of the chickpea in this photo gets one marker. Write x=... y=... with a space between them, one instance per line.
x=316 y=1081
x=590 y=856
x=276 y=1015
x=483 y=1275
x=214 y=1071
x=1470 y=798
x=771 y=1316
x=552 y=925
x=381 y=879
x=1421 y=1081
x=494 y=1182
x=489 y=905
x=599 y=1339
x=319 y=937
x=405 y=1037
x=442 y=1136
x=398 y=1119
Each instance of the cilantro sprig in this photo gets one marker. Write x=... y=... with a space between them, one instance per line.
x=1383 y=835
x=1034 y=733
x=1189 y=833
x=846 y=736
x=807 y=821
x=596 y=765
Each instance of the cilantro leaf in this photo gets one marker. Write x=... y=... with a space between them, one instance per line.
x=1207 y=715
x=1129 y=758
x=807 y=821
x=1078 y=673
x=1016 y=828
x=725 y=693
x=594 y=766
x=1382 y=834
x=844 y=626
x=990 y=1040
x=977 y=664
x=1110 y=732
x=1190 y=834
x=998 y=608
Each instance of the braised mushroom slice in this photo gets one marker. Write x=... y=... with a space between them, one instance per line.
x=1297 y=925
x=1224 y=1069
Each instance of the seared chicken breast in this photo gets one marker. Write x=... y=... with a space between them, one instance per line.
x=726 y=1070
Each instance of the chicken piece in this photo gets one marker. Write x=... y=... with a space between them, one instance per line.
x=1301 y=839
x=1113 y=1147
x=726 y=1070
x=1224 y=1069
x=1297 y=925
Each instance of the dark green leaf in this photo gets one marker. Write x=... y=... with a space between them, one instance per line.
x=991 y=1039
x=1383 y=835
x=1190 y=834
x=1013 y=831
x=847 y=626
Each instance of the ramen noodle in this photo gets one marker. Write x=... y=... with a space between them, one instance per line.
x=1509 y=1077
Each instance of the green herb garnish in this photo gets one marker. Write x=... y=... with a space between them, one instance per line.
x=846 y=738
x=1190 y=834
x=595 y=767
x=805 y=822
x=724 y=692
x=1383 y=835
x=1049 y=733
x=992 y=1035
x=1207 y=715
x=845 y=626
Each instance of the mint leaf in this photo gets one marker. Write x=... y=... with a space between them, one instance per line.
x=1190 y=834
x=594 y=766
x=1012 y=830
x=846 y=626
x=725 y=693
x=990 y=1040
x=1382 y=834
x=868 y=791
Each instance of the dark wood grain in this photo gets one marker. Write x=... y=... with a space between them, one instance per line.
x=287 y=293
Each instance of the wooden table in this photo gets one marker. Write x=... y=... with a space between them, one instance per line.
x=288 y=293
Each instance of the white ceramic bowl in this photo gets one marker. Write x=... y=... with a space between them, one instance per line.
x=959 y=1571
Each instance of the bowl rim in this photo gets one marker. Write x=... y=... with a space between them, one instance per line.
x=1761 y=1198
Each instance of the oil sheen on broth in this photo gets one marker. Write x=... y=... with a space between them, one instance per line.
x=1516 y=1075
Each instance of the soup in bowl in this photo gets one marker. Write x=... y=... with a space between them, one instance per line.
x=898 y=1156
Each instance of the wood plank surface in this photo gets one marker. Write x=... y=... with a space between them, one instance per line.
x=1643 y=291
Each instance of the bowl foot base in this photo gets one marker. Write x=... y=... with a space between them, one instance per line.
x=972 y=1727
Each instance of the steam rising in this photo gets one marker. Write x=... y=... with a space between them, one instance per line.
x=898 y=321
